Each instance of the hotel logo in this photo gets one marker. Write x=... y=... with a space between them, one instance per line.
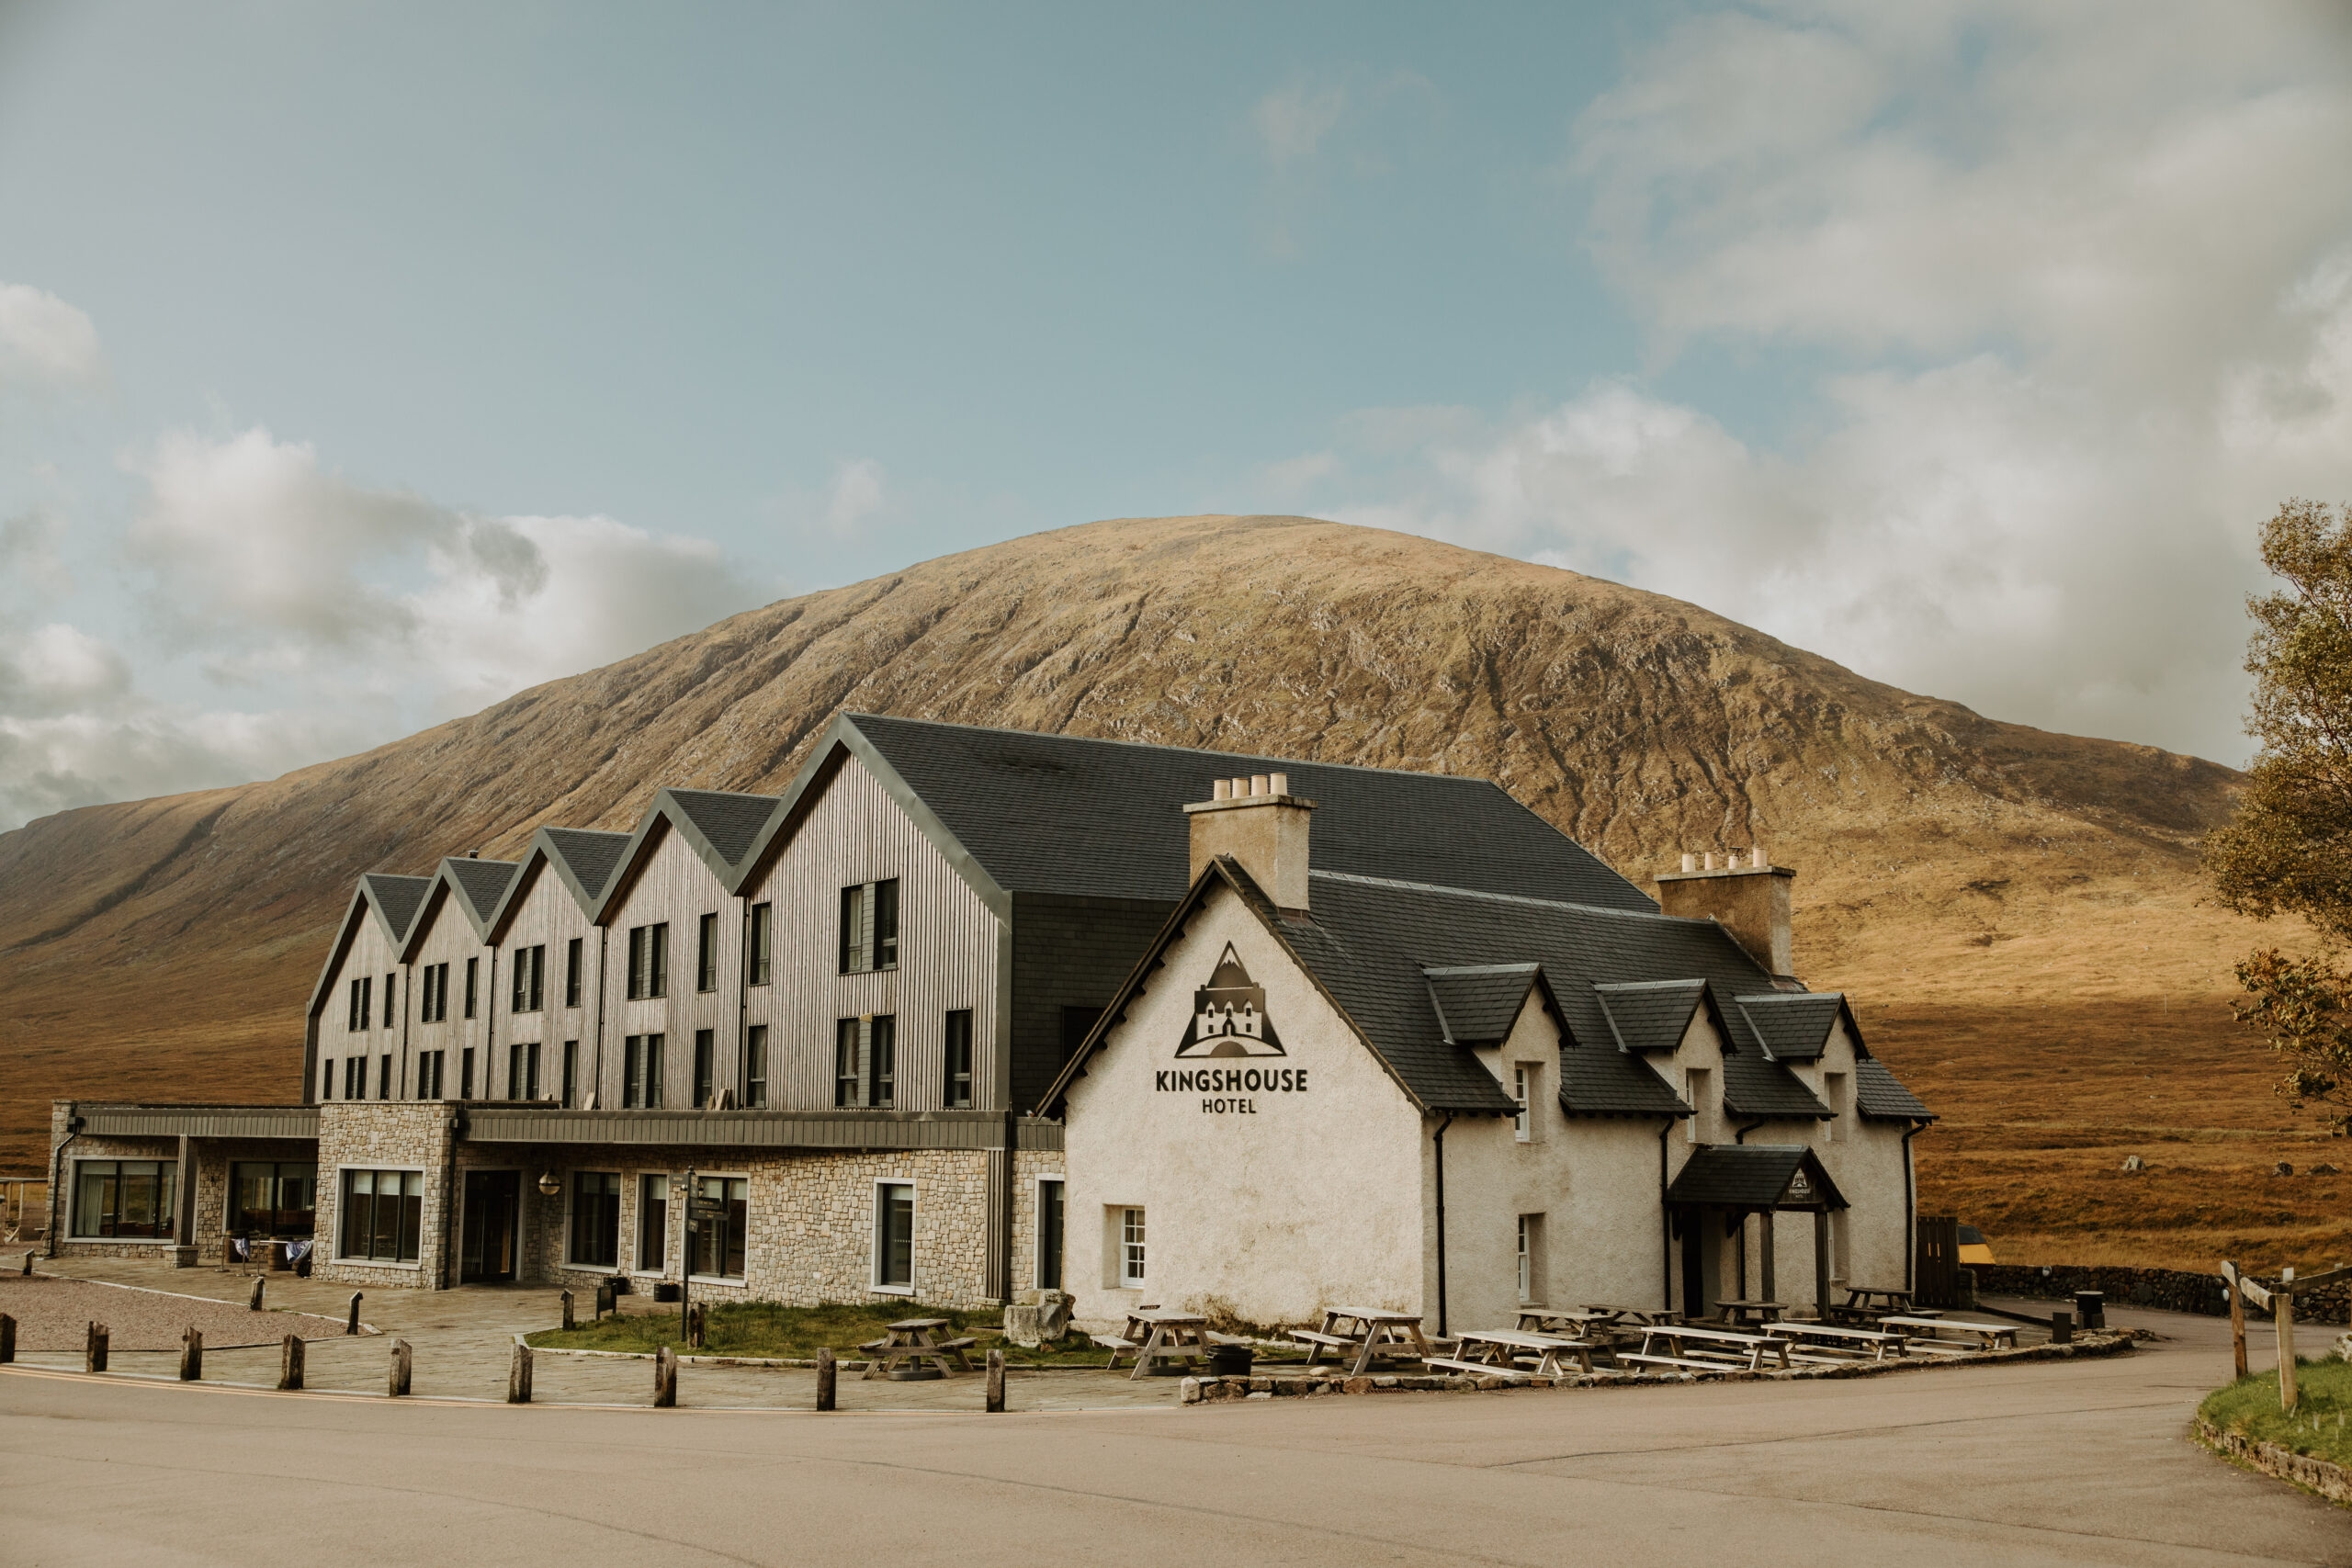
x=1229 y=1015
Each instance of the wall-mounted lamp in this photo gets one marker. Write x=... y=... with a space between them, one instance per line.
x=548 y=1185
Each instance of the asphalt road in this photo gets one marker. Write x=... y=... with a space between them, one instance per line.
x=2077 y=1463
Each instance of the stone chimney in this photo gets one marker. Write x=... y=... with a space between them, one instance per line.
x=1259 y=823
x=1747 y=895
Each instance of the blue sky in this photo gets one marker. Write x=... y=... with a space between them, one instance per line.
x=1964 y=342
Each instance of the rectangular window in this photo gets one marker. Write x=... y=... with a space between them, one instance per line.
x=652 y=1223
x=570 y=1074
x=1531 y=1258
x=1050 y=1234
x=432 y=994
x=1694 y=1090
x=959 y=1057
x=383 y=1078
x=596 y=1219
x=894 y=1237
x=755 y=1065
x=1519 y=1091
x=383 y=1215
x=125 y=1197
x=354 y=1077
x=571 y=973
x=1833 y=1090
x=352 y=1020
x=363 y=1013
x=641 y=1072
x=391 y=1006
x=648 y=962
x=845 y=1062
x=273 y=1197
x=1131 y=1249
x=473 y=977
x=523 y=1070
x=466 y=1074
x=758 y=960
x=870 y=927
x=428 y=1074
x=326 y=1078
x=706 y=954
x=530 y=979
x=719 y=1236
x=704 y=1049
x=882 y=1061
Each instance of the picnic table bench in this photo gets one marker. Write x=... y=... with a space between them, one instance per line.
x=1575 y=1323
x=1707 y=1349
x=1154 y=1336
x=1377 y=1334
x=1988 y=1335
x=1844 y=1340
x=1496 y=1352
x=1745 y=1314
x=911 y=1342
x=1866 y=1303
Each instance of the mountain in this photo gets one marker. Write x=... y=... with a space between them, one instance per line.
x=2015 y=911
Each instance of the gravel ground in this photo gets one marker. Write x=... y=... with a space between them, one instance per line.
x=54 y=1313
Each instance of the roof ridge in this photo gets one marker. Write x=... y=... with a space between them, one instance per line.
x=1503 y=897
x=1163 y=746
x=1521 y=966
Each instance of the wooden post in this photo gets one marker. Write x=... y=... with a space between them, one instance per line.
x=289 y=1370
x=351 y=1319
x=2237 y=1318
x=2062 y=1327
x=93 y=1351
x=568 y=1323
x=7 y=1340
x=606 y=1299
x=192 y=1354
x=1821 y=1263
x=824 y=1377
x=2282 y=1313
x=403 y=1366
x=996 y=1379
x=29 y=1265
x=1764 y=1219
x=665 y=1378
x=518 y=1376
x=254 y=1303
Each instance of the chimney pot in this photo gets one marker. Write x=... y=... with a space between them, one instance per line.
x=1711 y=860
x=1263 y=828
x=1689 y=861
x=1752 y=907
x=1221 y=790
x=1280 y=783
x=1258 y=785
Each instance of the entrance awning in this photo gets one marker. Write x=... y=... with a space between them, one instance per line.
x=1754 y=1176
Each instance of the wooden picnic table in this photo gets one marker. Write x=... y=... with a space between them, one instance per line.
x=1867 y=1303
x=1377 y=1333
x=1156 y=1335
x=1496 y=1352
x=1853 y=1342
x=1750 y=1313
x=1716 y=1348
x=1639 y=1317
x=912 y=1342
x=1575 y=1323
x=1988 y=1335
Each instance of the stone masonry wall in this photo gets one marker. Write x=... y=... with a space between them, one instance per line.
x=2171 y=1289
x=1028 y=1164
x=383 y=1134
x=62 y=1245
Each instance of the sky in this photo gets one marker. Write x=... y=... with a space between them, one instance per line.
x=360 y=367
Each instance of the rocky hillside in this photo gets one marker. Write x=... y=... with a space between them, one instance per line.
x=1948 y=863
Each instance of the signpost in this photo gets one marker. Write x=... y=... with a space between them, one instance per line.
x=2280 y=1300
x=701 y=1210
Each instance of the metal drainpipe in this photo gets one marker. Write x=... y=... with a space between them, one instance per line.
x=1910 y=1218
x=457 y=1126
x=1438 y=1139
x=1664 y=1222
x=57 y=1171
x=596 y=1087
x=743 y=1005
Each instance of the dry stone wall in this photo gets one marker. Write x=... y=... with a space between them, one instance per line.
x=2170 y=1289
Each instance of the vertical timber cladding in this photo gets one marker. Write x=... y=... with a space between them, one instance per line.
x=448 y=938
x=671 y=885
x=547 y=915
x=948 y=937
x=371 y=956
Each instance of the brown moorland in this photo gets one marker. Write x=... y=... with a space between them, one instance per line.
x=2017 y=913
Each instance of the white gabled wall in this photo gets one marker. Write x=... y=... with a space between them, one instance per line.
x=1305 y=1201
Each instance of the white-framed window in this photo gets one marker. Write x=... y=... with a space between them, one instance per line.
x=1836 y=1091
x=1521 y=1088
x=1531 y=1258
x=1050 y=1225
x=1694 y=1090
x=1132 y=1248
x=894 y=1238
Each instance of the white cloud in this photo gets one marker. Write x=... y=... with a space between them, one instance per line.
x=336 y=614
x=1293 y=120
x=855 y=499
x=44 y=341
x=2076 y=284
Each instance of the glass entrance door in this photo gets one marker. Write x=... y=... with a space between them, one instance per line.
x=487 y=1252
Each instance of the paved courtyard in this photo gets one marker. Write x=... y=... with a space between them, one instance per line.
x=2081 y=1463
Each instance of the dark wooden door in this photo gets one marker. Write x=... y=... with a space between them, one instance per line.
x=488 y=1249
x=1937 y=1265
x=1694 y=1262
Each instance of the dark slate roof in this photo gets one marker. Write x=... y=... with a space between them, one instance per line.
x=1750 y=1175
x=1877 y=1094
x=590 y=855
x=483 y=882
x=1104 y=818
x=1793 y=1025
x=1477 y=1004
x=398 y=898
x=1650 y=1015
x=728 y=821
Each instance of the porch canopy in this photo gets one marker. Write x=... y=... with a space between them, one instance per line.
x=1740 y=1179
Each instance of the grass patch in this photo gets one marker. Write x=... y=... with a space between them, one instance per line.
x=765 y=1330
x=2320 y=1427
